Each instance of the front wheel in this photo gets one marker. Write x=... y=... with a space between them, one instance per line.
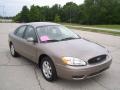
x=48 y=69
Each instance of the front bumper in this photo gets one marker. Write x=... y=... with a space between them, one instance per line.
x=82 y=72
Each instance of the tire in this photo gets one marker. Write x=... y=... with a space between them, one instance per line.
x=48 y=69
x=12 y=51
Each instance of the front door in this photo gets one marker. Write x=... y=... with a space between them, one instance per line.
x=30 y=48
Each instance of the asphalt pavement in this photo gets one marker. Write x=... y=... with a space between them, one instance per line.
x=22 y=74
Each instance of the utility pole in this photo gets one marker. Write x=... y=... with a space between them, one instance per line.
x=70 y=14
x=3 y=12
x=94 y=1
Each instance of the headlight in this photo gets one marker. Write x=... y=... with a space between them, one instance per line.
x=73 y=61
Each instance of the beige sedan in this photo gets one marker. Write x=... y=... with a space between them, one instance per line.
x=59 y=51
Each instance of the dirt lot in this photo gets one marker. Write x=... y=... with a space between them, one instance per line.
x=22 y=74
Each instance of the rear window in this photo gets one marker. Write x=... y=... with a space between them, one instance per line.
x=20 y=31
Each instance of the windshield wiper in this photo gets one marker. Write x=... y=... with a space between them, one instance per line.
x=69 y=38
x=50 y=41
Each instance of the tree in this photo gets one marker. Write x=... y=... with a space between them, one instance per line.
x=70 y=11
x=57 y=18
x=24 y=15
x=90 y=12
x=34 y=14
x=55 y=10
x=17 y=18
x=100 y=11
x=45 y=11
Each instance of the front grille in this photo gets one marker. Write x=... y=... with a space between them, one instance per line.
x=97 y=59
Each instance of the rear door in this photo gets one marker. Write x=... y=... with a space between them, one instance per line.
x=18 y=39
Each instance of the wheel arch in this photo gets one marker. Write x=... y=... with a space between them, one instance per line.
x=52 y=63
x=40 y=58
x=10 y=43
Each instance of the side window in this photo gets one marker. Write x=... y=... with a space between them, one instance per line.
x=30 y=33
x=20 y=31
x=42 y=31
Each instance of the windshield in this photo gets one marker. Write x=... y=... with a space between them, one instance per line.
x=55 y=33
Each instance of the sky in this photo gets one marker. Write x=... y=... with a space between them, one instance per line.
x=12 y=7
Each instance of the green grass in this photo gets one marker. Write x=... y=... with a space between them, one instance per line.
x=98 y=31
x=98 y=26
x=95 y=30
x=107 y=26
x=73 y=24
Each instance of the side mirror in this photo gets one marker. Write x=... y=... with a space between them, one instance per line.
x=30 y=39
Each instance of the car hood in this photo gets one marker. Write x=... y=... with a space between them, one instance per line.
x=78 y=48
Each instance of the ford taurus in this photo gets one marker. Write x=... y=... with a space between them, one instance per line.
x=59 y=51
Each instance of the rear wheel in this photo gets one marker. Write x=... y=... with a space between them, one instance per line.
x=48 y=69
x=12 y=50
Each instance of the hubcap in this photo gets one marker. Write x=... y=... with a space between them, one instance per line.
x=47 y=70
x=12 y=50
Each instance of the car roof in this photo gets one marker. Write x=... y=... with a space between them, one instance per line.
x=36 y=24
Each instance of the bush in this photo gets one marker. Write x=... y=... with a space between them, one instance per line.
x=57 y=18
